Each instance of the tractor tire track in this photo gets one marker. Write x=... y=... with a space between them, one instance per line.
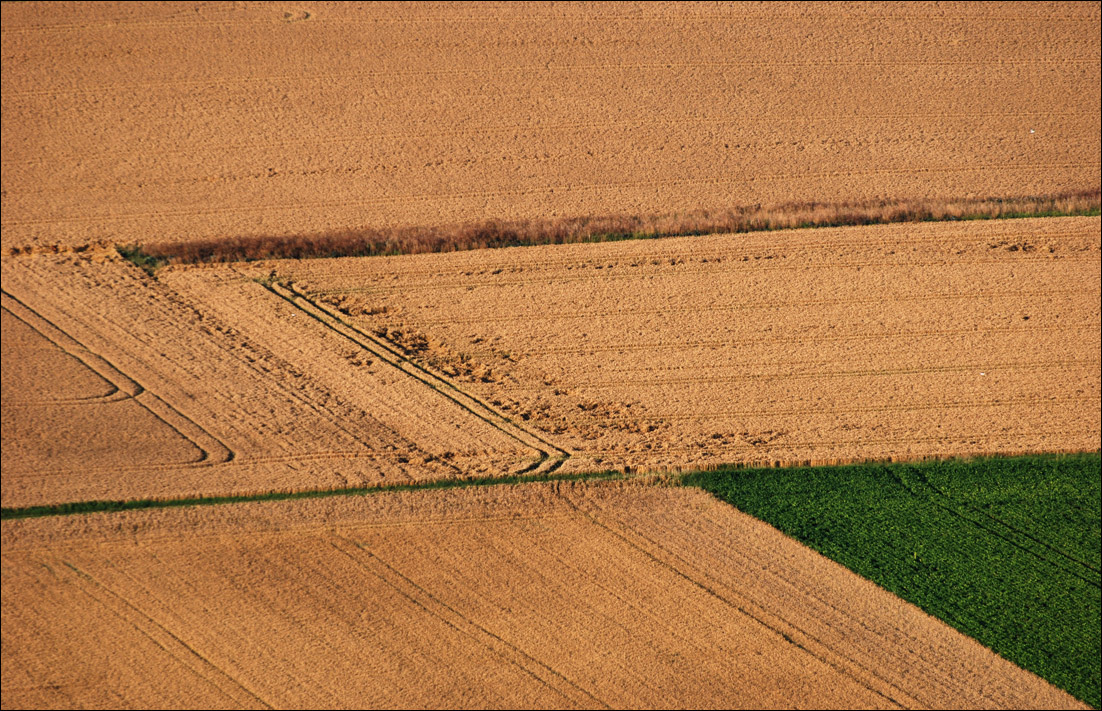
x=551 y=457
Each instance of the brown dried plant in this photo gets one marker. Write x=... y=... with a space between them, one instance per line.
x=369 y=241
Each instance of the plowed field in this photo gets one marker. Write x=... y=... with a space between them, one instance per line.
x=124 y=122
x=532 y=596
x=805 y=345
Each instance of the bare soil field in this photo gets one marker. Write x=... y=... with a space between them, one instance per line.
x=180 y=121
x=535 y=596
x=236 y=392
x=782 y=347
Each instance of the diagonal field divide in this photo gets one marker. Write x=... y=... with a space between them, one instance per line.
x=551 y=456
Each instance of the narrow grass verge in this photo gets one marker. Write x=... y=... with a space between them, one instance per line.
x=362 y=241
x=1006 y=550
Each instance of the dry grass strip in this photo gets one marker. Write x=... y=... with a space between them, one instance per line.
x=497 y=233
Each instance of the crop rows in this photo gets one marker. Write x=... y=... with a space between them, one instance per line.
x=498 y=594
x=520 y=116
x=1007 y=551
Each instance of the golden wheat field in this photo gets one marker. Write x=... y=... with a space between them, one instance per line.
x=892 y=341
x=498 y=433
x=805 y=345
x=487 y=598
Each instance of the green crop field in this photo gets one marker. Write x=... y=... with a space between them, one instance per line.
x=1007 y=550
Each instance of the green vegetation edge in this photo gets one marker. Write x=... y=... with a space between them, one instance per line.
x=495 y=234
x=1007 y=550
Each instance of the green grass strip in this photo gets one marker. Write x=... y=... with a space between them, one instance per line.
x=87 y=507
x=1006 y=550
x=134 y=254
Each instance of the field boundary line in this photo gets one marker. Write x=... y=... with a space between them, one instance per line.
x=625 y=473
x=736 y=601
x=439 y=609
x=108 y=506
x=632 y=531
x=801 y=584
x=743 y=248
x=551 y=456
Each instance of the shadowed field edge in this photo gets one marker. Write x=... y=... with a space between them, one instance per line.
x=664 y=476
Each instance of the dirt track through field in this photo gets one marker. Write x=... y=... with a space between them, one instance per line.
x=188 y=121
x=805 y=345
x=537 y=596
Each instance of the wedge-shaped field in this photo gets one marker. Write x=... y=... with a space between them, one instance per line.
x=117 y=386
x=534 y=596
x=1005 y=550
x=793 y=346
x=319 y=116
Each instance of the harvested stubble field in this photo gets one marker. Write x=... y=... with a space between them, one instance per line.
x=132 y=122
x=782 y=347
x=806 y=345
x=212 y=132
x=233 y=392
x=488 y=597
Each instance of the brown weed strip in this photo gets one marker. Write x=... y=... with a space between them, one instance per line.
x=365 y=241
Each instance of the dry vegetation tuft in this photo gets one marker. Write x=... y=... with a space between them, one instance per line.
x=497 y=233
